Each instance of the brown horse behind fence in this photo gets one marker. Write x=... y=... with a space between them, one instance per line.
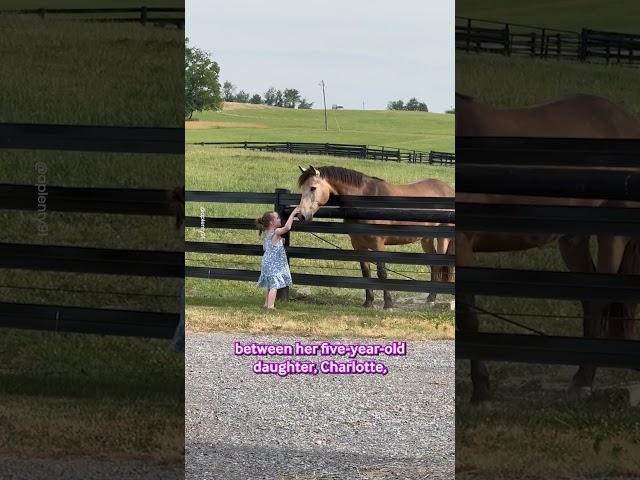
x=316 y=186
x=577 y=116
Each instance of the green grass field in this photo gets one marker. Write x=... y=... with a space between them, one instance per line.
x=63 y=394
x=410 y=130
x=518 y=82
x=221 y=305
x=612 y=15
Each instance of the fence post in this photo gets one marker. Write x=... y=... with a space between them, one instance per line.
x=583 y=45
x=507 y=40
x=279 y=206
x=468 y=34
x=533 y=44
x=542 y=40
x=143 y=15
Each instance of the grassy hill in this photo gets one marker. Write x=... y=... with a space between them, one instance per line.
x=616 y=15
x=410 y=130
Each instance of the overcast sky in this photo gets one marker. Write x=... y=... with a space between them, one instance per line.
x=369 y=51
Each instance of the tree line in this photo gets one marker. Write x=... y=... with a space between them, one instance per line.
x=287 y=98
x=413 y=105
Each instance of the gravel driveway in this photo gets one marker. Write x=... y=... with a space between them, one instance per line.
x=245 y=426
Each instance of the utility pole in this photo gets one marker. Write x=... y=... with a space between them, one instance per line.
x=324 y=99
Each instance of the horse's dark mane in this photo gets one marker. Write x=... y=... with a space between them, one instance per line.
x=337 y=174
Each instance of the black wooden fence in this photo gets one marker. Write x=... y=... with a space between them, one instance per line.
x=58 y=258
x=420 y=209
x=370 y=152
x=485 y=36
x=144 y=15
x=588 y=169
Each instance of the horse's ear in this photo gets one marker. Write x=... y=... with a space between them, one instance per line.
x=315 y=170
x=302 y=169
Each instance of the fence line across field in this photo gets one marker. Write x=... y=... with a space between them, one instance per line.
x=100 y=261
x=512 y=39
x=143 y=14
x=344 y=150
x=359 y=208
x=572 y=178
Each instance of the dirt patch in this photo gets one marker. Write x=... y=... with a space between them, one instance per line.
x=205 y=125
x=244 y=106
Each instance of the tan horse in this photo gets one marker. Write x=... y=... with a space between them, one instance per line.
x=577 y=116
x=316 y=186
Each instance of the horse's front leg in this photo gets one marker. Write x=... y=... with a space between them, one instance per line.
x=577 y=258
x=428 y=247
x=382 y=274
x=368 y=295
x=467 y=321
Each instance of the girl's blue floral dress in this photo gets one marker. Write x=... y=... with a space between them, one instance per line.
x=275 y=269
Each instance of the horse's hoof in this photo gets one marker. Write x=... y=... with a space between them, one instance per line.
x=430 y=304
x=367 y=304
x=388 y=306
x=431 y=298
x=579 y=392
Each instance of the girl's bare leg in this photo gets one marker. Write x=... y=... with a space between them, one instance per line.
x=271 y=297
x=266 y=297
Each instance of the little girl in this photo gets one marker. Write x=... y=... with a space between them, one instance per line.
x=274 y=273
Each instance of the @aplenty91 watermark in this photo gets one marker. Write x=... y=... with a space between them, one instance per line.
x=202 y=227
x=41 y=199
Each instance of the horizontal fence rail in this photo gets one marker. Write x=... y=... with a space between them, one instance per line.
x=402 y=215
x=92 y=260
x=548 y=349
x=512 y=39
x=335 y=201
x=548 y=284
x=329 y=227
x=88 y=320
x=550 y=182
x=548 y=219
x=84 y=138
x=326 y=280
x=548 y=152
x=143 y=14
x=325 y=254
x=344 y=150
x=121 y=201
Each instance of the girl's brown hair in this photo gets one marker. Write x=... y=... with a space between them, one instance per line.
x=262 y=223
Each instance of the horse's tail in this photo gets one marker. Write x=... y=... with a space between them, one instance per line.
x=618 y=318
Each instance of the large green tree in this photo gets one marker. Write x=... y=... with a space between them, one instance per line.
x=291 y=97
x=201 y=83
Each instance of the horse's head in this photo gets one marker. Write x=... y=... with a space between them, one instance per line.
x=315 y=192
